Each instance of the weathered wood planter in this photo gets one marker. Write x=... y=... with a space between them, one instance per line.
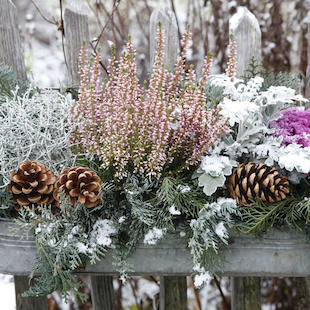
x=277 y=253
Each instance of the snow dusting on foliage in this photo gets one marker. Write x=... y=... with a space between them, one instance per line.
x=153 y=236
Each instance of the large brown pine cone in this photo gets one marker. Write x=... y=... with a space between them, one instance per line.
x=80 y=184
x=257 y=182
x=32 y=184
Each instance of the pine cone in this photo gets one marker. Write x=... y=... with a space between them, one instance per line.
x=32 y=183
x=80 y=184
x=260 y=182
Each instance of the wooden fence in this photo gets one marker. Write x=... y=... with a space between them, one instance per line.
x=245 y=29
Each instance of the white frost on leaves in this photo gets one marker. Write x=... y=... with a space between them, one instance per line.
x=174 y=211
x=237 y=112
x=81 y=247
x=295 y=157
x=216 y=165
x=212 y=172
x=182 y=234
x=153 y=235
x=38 y=229
x=102 y=232
x=183 y=188
x=122 y=219
x=192 y=223
x=276 y=95
x=202 y=278
x=221 y=230
x=289 y=157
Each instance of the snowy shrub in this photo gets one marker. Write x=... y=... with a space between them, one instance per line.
x=34 y=127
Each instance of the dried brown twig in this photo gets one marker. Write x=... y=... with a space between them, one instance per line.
x=54 y=22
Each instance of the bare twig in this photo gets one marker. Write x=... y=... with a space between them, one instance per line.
x=100 y=62
x=133 y=288
x=62 y=30
x=109 y=16
x=95 y=13
x=148 y=7
x=225 y=302
x=139 y=21
x=196 y=294
x=119 y=295
x=54 y=22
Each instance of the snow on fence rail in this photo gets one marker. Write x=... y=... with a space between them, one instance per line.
x=246 y=32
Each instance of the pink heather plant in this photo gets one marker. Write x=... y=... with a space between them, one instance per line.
x=293 y=126
x=232 y=60
x=144 y=130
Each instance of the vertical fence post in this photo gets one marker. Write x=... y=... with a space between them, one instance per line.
x=27 y=303
x=76 y=33
x=173 y=290
x=170 y=30
x=102 y=292
x=246 y=32
x=11 y=53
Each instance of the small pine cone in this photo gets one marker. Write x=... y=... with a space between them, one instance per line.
x=32 y=184
x=257 y=182
x=80 y=184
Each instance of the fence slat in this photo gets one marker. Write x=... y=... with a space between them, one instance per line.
x=102 y=293
x=11 y=52
x=173 y=293
x=169 y=26
x=246 y=31
x=173 y=290
x=76 y=32
x=27 y=303
x=245 y=293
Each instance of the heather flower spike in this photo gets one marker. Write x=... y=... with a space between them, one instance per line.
x=142 y=130
x=232 y=60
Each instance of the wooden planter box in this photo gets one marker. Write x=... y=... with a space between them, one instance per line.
x=277 y=253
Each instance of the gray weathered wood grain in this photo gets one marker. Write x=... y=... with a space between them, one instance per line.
x=11 y=52
x=172 y=289
x=27 y=303
x=284 y=253
x=246 y=32
x=173 y=293
x=76 y=32
x=245 y=293
x=102 y=293
x=171 y=40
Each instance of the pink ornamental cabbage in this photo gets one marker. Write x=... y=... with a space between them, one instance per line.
x=293 y=126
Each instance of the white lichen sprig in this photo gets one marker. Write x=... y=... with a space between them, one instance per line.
x=34 y=127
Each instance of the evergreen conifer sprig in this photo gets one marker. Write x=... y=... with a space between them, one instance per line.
x=259 y=218
x=9 y=83
x=65 y=240
x=271 y=78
